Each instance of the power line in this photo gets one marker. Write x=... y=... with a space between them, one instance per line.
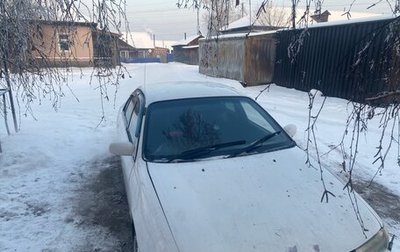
x=156 y=11
x=133 y=22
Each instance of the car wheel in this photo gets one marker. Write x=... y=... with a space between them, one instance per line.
x=134 y=239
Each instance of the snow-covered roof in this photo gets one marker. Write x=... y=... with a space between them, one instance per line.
x=186 y=41
x=341 y=16
x=239 y=35
x=144 y=40
x=190 y=47
x=242 y=22
x=356 y=20
x=281 y=17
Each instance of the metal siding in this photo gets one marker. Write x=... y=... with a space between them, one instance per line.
x=326 y=60
x=250 y=60
x=223 y=58
x=259 y=59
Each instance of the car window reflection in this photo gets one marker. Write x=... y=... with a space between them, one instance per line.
x=176 y=127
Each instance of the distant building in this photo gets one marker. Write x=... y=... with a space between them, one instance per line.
x=187 y=50
x=63 y=43
x=146 y=47
x=321 y=17
x=126 y=51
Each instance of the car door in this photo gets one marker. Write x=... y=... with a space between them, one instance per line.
x=132 y=114
x=151 y=227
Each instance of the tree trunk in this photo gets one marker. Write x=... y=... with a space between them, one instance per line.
x=5 y=113
x=7 y=75
x=5 y=48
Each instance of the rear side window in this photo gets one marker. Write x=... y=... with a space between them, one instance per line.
x=130 y=109
x=132 y=112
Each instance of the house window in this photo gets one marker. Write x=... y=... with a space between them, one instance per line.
x=124 y=54
x=64 y=42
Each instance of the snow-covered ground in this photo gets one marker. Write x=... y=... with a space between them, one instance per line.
x=55 y=173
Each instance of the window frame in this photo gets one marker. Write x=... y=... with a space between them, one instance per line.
x=68 y=41
x=140 y=104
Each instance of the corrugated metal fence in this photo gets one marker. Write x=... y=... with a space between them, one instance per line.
x=335 y=59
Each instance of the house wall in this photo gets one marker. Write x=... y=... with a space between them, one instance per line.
x=105 y=47
x=159 y=51
x=188 y=56
x=143 y=53
x=81 y=48
x=250 y=60
x=126 y=51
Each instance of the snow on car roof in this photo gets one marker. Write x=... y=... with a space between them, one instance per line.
x=163 y=91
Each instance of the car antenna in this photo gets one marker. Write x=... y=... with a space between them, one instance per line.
x=145 y=76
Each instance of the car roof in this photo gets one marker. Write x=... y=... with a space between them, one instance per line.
x=164 y=91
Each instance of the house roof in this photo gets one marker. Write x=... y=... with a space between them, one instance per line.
x=281 y=16
x=144 y=40
x=65 y=23
x=124 y=46
x=187 y=41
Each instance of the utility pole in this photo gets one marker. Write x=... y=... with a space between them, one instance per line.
x=242 y=9
x=198 y=20
x=250 y=12
x=227 y=13
x=294 y=14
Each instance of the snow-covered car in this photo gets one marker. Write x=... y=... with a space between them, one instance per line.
x=208 y=169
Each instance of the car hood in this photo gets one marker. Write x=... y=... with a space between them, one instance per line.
x=262 y=202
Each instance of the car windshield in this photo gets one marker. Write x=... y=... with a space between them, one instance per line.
x=190 y=129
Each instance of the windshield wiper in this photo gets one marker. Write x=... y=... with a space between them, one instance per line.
x=254 y=145
x=201 y=151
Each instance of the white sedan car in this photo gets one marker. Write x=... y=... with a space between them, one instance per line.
x=207 y=169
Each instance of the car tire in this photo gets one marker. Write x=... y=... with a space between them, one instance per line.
x=135 y=247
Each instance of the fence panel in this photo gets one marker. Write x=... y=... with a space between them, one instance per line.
x=248 y=59
x=328 y=60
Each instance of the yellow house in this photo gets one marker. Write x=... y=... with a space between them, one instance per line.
x=61 y=43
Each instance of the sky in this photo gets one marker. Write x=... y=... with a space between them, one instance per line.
x=167 y=22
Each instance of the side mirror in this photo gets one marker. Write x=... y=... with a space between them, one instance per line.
x=290 y=129
x=122 y=149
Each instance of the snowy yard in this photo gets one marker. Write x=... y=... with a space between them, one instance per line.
x=60 y=189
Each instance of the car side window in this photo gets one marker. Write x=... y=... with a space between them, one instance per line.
x=133 y=112
x=133 y=122
x=129 y=108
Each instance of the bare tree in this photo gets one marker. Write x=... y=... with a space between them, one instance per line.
x=25 y=64
x=274 y=16
x=218 y=13
x=383 y=106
